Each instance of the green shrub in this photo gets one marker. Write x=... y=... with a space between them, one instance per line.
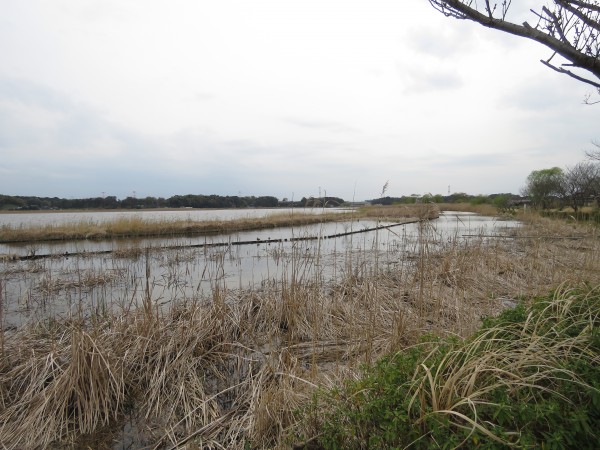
x=529 y=378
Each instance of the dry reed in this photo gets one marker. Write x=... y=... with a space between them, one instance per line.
x=483 y=209
x=139 y=227
x=530 y=356
x=229 y=371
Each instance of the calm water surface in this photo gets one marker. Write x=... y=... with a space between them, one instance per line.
x=83 y=283
x=17 y=219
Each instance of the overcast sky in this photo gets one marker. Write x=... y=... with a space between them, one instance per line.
x=284 y=97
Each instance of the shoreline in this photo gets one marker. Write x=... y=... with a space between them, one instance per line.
x=136 y=226
x=114 y=210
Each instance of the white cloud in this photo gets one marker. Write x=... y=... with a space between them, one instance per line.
x=270 y=98
x=419 y=81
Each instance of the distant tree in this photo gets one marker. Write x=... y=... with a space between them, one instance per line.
x=383 y=201
x=543 y=186
x=129 y=203
x=503 y=203
x=175 y=201
x=312 y=202
x=9 y=202
x=480 y=200
x=430 y=198
x=147 y=202
x=594 y=154
x=332 y=202
x=110 y=202
x=266 y=202
x=459 y=197
x=580 y=184
x=570 y=29
x=237 y=202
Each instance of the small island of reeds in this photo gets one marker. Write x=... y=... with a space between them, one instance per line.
x=137 y=226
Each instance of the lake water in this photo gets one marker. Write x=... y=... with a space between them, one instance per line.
x=16 y=219
x=191 y=268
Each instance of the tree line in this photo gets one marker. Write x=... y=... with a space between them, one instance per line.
x=8 y=202
x=499 y=200
x=574 y=186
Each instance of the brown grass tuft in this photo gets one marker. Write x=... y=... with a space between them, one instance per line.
x=228 y=371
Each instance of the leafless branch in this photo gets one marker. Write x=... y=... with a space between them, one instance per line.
x=581 y=16
x=556 y=23
x=571 y=29
x=569 y=73
x=586 y=5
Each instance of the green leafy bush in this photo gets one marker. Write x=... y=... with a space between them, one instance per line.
x=529 y=379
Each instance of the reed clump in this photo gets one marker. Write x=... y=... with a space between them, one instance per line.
x=527 y=379
x=137 y=226
x=57 y=380
x=420 y=211
x=85 y=280
x=484 y=209
x=233 y=368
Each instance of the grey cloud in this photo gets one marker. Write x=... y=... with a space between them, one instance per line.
x=494 y=160
x=331 y=126
x=34 y=115
x=202 y=97
x=30 y=93
x=483 y=175
x=552 y=116
x=424 y=80
x=445 y=42
x=48 y=140
x=531 y=95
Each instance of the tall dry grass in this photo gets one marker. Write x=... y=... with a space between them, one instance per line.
x=522 y=355
x=528 y=379
x=229 y=371
x=137 y=226
x=421 y=211
x=483 y=209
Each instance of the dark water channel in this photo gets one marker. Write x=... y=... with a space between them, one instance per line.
x=185 y=269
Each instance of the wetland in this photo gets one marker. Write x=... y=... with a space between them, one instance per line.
x=189 y=340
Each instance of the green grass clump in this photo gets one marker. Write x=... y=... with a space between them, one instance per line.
x=528 y=379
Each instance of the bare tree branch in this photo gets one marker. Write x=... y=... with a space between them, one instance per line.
x=587 y=5
x=571 y=30
x=571 y=74
x=580 y=15
x=556 y=23
x=594 y=154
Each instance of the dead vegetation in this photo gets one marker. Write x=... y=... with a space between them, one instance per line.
x=230 y=372
x=137 y=226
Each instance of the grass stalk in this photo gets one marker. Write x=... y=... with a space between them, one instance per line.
x=138 y=227
x=229 y=369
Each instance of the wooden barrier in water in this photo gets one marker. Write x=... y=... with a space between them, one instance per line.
x=258 y=241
